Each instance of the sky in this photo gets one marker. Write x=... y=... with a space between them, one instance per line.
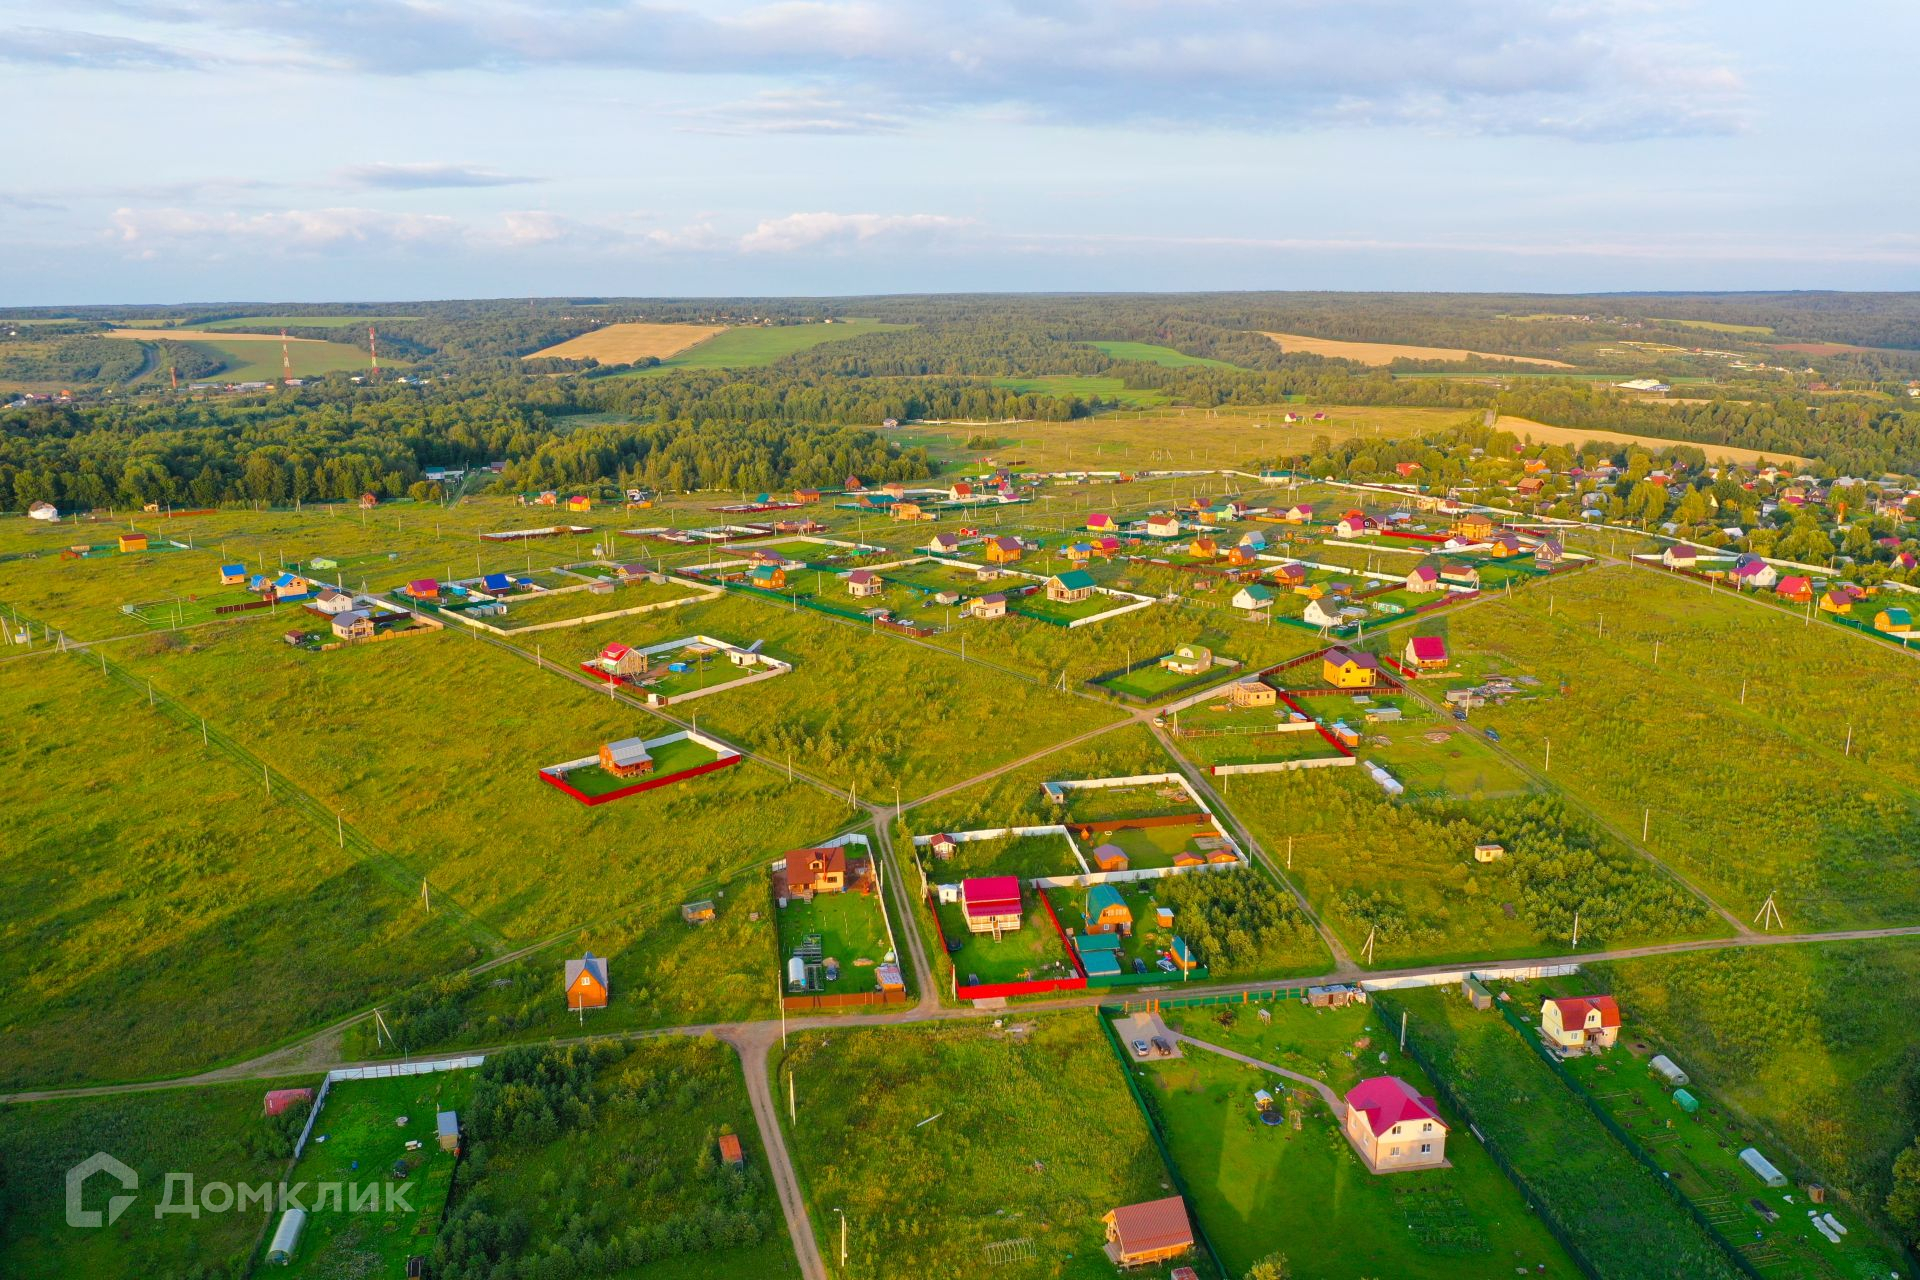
x=231 y=150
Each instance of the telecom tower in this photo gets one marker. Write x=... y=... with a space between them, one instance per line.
x=373 y=349
x=286 y=361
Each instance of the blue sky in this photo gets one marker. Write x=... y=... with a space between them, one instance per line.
x=174 y=150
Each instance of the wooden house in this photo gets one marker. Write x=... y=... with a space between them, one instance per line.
x=1349 y=669
x=768 y=577
x=1505 y=546
x=1680 y=556
x=1355 y=524
x=1003 y=550
x=625 y=758
x=587 y=983
x=1298 y=513
x=1182 y=955
x=1459 y=573
x=1580 y=1022
x=1474 y=526
x=700 y=912
x=1101 y=522
x=1292 y=575
x=579 y=502
x=1070 y=587
x=1077 y=553
x=1424 y=578
x=1107 y=911
x=944 y=544
x=1203 y=548
x=1109 y=857
x=991 y=605
x=944 y=846
x=1163 y=525
x=1897 y=619
x=1838 y=601
x=233 y=575
x=1393 y=1127
x=1426 y=653
x=133 y=542
x=622 y=660
x=1143 y=1235
x=909 y=511
x=1241 y=554
x=821 y=870
x=1548 y=551
x=1247 y=694
x=804 y=496
x=863 y=584
x=960 y=491
x=330 y=602
x=1252 y=597
x=422 y=589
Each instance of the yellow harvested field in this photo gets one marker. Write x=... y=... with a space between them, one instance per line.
x=1388 y=352
x=1541 y=433
x=625 y=343
x=198 y=335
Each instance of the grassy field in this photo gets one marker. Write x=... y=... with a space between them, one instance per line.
x=1303 y=1192
x=250 y=357
x=539 y=610
x=1151 y=354
x=1030 y=1136
x=1611 y=1206
x=1384 y=353
x=752 y=347
x=627 y=342
x=1022 y=856
x=364 y=1145
x=1775 y=804
x=1542 y=433
x=216 y=1133
x=1155 y=682
x=154 y=875
x=627 y=1184
x=1404 y=871
x=1809 y=1042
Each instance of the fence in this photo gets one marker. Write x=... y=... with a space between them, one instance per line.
x=380 y=1071
x=842 y=999
x=1627 y=1140
x=1282 y=766
x=1151 y=1115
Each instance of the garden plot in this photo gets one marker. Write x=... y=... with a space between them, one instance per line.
x=1297 y=1187
x=670 y=759
x=680 y=670
x=840 y=936
x=1034 y=954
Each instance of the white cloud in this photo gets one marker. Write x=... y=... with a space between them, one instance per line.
x=224 y=234
x=798 y=231
x=384 y=176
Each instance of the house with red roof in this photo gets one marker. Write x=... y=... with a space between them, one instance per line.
x=1679 y=556
x=1354 y=524
x=278 y=1100
x=1580 y=1022
x=1140 y=1235
x=1100 y=522
x=1393 y=1127
x=862 y=583
x=1426 y=653
x=1795 y=587
x=991 y=904
x=1424 y=578
x=622 y=660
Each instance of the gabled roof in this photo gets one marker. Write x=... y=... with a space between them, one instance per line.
x=1102 y=896
x=1004 y=543
x=990 y=895
x=628 y=751
x=1356 y=657
x=1254 y=591
x=615 y=651
x=1429 y=649
x=1074 y=579
x=1425 y=572
x=1153 y=1226
x=860 y=577
x=589 y=963
x=1389 y=1100
x=1573 y=1010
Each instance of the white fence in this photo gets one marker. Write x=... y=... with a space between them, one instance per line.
x=379 y=1071
x=1503 y=973
x=1282 y=766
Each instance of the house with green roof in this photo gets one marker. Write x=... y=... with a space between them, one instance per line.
x=1070 y=587
x=1107 y=911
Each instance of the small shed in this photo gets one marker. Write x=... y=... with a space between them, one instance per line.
x=700 y=912
x=286 y=1237
x=278 y=1100
x=1476 y=992
x=1667 y=1069
x=1762 y=1168
x=447 y=1125
x=1685 y=1101
x=730 y=1153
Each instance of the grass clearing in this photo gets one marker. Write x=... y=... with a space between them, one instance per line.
x=752 y=347
x=1149 y=353
x=1542 y=433
x=1015 y=1154
x=1385 y=353
x=1085 y=386
x=1261 y=1189
x=629 y=341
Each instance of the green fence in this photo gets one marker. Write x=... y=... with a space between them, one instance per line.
x=1627 y=1140
x=1146 y=979
x=1152 y=1117
x=1388 y=1009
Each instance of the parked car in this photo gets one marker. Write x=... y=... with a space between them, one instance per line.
x=1139 y=965
x=1161 y=1047
x=1493 y=735
x=1139 y=1048
x=1166 y=965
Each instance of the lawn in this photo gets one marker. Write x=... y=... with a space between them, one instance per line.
x=562 y=606
x=214 y=1134
x=1610 y=1205
x=1038 y=607
x=1253 y=748
x=1303 y=1192
x=156 y=876
x=1010 y=855
x=1151 y=683
x=621 y=1174
x=850 y=928
x=960 y=1137
x=1135 y=800
x=1746 y=797
x=668 y=758
x=360 y=1140
x=754 y=346
x=1150 y=847
x=1085 y=386
x=1031 y=952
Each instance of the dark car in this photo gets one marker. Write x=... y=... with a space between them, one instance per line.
x=1161 y=1047
x=1139 y=965
x=1493 y=735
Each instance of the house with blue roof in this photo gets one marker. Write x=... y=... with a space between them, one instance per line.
x=232 y=575
x=494 y=583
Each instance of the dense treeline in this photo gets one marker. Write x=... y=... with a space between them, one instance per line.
x=81 y=359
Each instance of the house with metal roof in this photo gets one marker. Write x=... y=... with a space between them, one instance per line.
x=1107 y=911
x=1140 y=1235
x=586 y=982
x=1070 y=587
x=1393 y=1127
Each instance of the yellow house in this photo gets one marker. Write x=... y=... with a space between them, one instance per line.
x=1392 y=1128
x=579 y=502
x=1580 y=1022
x=1349 y=669
x=133 y=542
x=1475 y=527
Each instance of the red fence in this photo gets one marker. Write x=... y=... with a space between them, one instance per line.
x=241 y=608
x=559 y=783
x=1325 y=732
x=1415 y=537
x=1086 y=830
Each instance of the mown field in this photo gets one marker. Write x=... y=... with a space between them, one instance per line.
x=754 y=346
x=1152 y=354
x=1747 y=798
x=1616 y=1214
x=1811 y=1042
x=1004 y=1156
x=1404 y=870
x=627 y=342
x=607 y=1159
x=1303 y=1192
x=147 y=874
x=216 y=1134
